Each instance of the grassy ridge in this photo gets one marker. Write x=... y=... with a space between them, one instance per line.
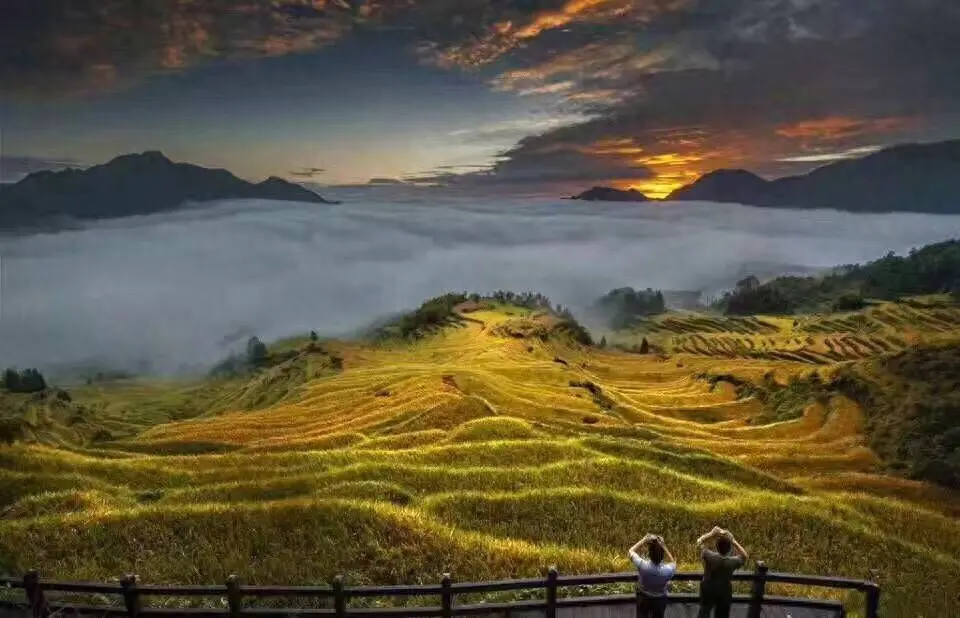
x=491 y=447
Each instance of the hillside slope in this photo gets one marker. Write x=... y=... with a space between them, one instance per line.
x=932 y=269
x=490 y=447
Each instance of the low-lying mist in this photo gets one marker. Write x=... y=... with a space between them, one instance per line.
x=175 y=293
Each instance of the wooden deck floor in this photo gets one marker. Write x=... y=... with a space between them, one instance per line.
x=677 y=610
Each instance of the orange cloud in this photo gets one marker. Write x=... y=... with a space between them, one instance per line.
x=554 y=88
x=586 y=60
x=601 y=95
x=507 y=34
x=675 y=156
x=624 y=147
x=671 y=159
x=835 y=128
x=571 y=11
x=661 y=185
x=672 y=170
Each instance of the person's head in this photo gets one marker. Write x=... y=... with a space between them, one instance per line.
x=656 y=552
x=723 y=546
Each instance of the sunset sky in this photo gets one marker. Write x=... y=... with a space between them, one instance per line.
x=551 y=95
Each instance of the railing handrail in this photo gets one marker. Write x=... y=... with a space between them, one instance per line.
x=132 y=592
x=820 y=581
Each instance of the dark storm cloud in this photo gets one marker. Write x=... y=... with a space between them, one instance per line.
x=546 y=166
x=774 y=85
x=76 y=47
x=461 y=168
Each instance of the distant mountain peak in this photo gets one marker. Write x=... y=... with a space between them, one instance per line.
x=731 y=173
x=274 y=180
x=147 y=156
x=907 y=177
x=153 y=155
x=132 y=184
x=734 y=185
x=609 y=194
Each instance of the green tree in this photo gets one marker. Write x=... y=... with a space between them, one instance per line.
x=750 y=297
x=748 y=284
x=314 y=336
x=431 y=315
x=256 y=351
x=11 y=380
x=849 y=302
x=32 y=381
x=933 y=269
x=26 y=381
x=623 y=306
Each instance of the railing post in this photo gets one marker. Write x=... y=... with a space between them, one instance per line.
x=339 y=599
x=552 y=593
x=131 y=596
x=35 y=596
x=234 y=597
x=759 y=588
x=446 y=596
x=873 y=600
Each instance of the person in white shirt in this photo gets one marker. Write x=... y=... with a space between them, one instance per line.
x=654 y=574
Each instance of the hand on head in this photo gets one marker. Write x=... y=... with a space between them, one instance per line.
x=652 y=539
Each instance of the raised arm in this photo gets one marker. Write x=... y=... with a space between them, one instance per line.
x=737 y=547
x=709 y=536
x=641 y=543
x=666 y=552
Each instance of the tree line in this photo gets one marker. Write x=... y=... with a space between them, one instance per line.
x=440 y=311
x=933 y=269
x=432 y=314
x=25 y=381
x=623 y=306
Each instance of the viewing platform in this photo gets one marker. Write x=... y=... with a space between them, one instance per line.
x=132 y=599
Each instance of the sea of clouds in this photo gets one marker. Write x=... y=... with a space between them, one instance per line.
x=176 y=292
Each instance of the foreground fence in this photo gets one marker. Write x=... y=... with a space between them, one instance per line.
x=338 y=596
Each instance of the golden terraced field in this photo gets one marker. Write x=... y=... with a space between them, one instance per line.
x=813 y=339
x=483 y=454
x=816 y=339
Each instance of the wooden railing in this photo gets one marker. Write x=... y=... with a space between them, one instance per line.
x=132 y=593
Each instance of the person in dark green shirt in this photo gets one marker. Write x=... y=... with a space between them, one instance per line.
x=719 y=564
